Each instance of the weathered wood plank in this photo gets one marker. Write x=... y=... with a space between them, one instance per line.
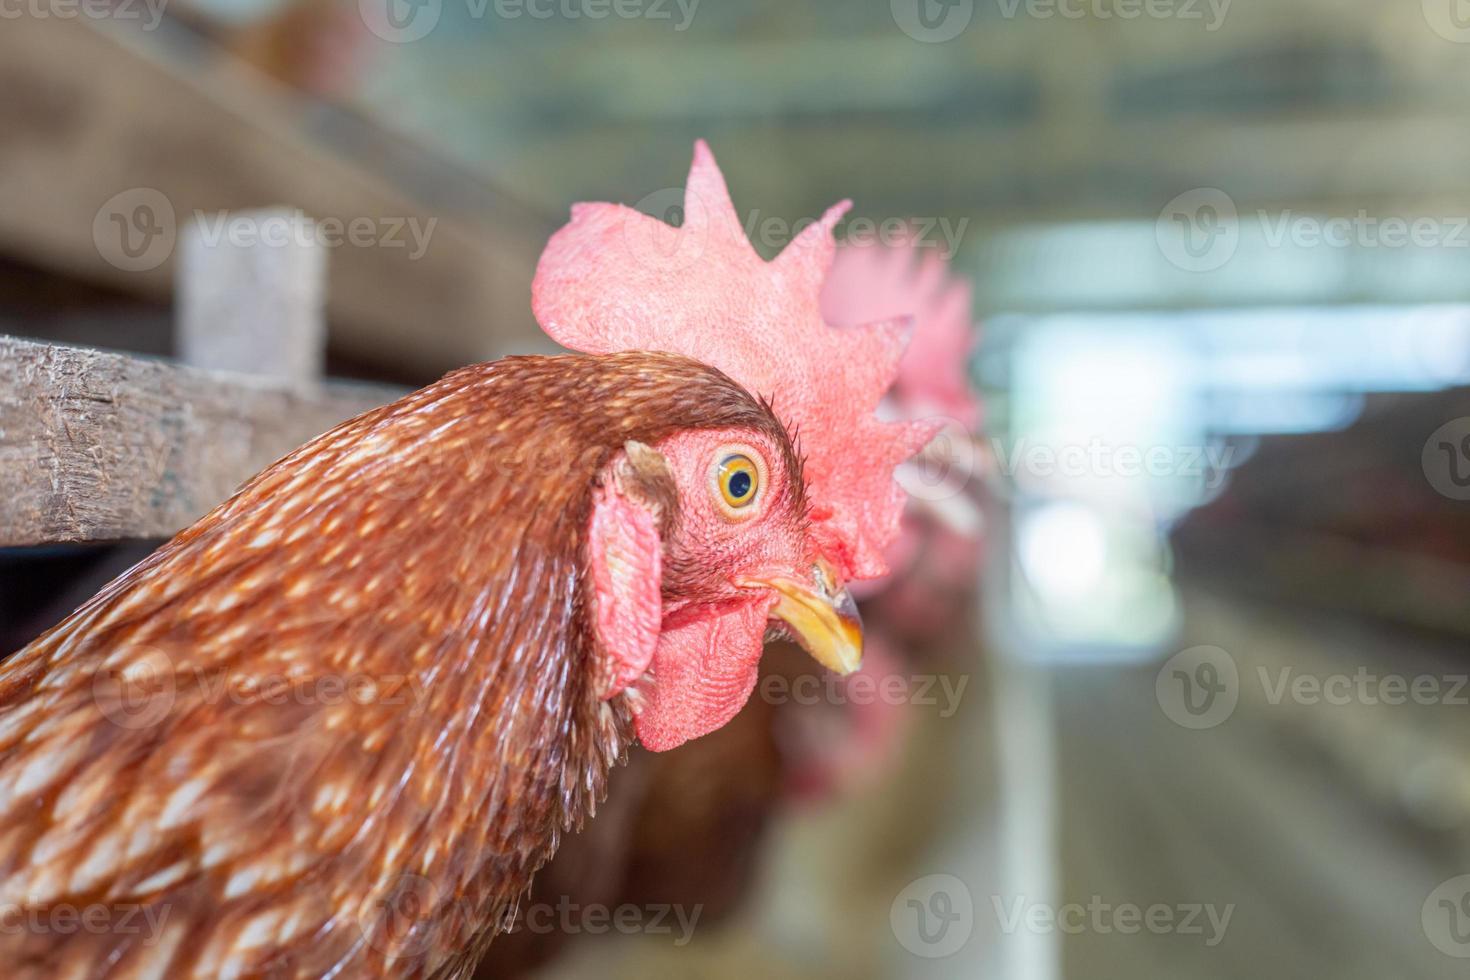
x=101 y=446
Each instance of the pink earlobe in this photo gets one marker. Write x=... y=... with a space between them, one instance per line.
x=624 y=557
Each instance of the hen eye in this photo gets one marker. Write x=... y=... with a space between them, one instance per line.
x=737 y=478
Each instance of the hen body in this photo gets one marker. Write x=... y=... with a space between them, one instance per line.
x=335 y=727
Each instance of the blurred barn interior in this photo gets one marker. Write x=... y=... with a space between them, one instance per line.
x=1128 y=197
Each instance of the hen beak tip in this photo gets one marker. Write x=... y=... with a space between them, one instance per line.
x=821 y=614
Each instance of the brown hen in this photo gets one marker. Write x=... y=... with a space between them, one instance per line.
x=343 y=719
x=335 y=727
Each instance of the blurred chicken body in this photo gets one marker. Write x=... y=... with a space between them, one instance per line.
x=689 y=830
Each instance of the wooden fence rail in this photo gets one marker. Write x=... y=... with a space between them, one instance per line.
x=98 y=446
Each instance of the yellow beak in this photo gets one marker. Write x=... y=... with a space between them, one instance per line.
x=821 y=614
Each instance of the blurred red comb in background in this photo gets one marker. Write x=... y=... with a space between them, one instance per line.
x=872 y=280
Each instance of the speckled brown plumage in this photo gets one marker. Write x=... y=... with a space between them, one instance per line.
x=335 y=727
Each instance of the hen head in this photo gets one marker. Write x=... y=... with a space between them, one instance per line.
x=762 y=528
x=694 y=546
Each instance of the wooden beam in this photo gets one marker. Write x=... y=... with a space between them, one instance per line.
x=249 y=303
x=98 y=446
x=104 y=168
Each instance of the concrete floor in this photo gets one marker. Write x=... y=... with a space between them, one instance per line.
x=1320 y=829
x=1317 y=821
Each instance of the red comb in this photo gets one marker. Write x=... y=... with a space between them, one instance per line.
x=872 y=280
x=615 y=279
